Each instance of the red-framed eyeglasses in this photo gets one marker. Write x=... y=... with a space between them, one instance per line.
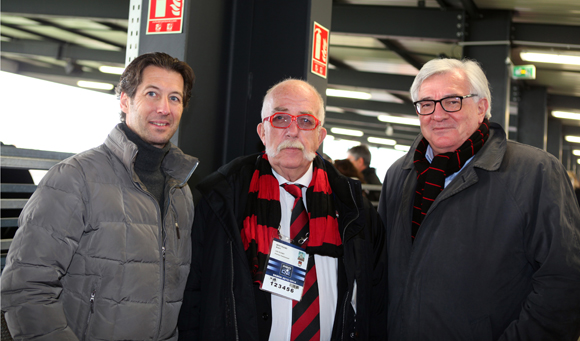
x=283 y=120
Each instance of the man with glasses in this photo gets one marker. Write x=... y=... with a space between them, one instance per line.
x=284 y=246
x=483 y=233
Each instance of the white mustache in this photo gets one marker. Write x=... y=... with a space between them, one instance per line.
x=290 y=144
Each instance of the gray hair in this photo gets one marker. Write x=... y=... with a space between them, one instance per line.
x=359 y=151
x=473 y=71
x=321 y=112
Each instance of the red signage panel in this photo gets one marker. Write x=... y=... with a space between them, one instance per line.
x=319 y=50
x=165 y=16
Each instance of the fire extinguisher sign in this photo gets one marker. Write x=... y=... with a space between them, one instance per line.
x=319 y=50
x=165 y=16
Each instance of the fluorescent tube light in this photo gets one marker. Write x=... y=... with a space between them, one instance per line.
x=378 y=140
x=348 y=132
x=402 y=147
x=555 y=58
x=95 y=85
x=572 y=138
x=399 y=120
x=576 y=152
x=112 y=70
x=566 y=114
x=348 y=94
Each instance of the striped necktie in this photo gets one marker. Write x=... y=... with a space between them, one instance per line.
x=306 y=312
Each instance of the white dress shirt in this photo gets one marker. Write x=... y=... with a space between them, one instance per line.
x=326 y=274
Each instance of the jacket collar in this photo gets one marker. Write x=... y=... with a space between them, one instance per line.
x=176 y=164
x=488 y=158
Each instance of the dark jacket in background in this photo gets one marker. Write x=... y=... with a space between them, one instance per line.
x=497 y=257
x=371 y=178
x=222 y=303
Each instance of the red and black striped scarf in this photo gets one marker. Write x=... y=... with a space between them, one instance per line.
x=431 y=176
x=263 y=214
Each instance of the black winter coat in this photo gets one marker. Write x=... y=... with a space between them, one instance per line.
x=222 y=303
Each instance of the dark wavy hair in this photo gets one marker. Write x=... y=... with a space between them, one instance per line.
x=133 y=74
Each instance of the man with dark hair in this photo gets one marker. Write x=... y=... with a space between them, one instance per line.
x=483 y=232
x=284 y=246
x=360 y=156
x=103 y=247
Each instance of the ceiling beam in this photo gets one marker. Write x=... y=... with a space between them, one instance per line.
x=561 y=101
x=24 y=68
x=397 y=22
x=394 y=46
x=339 y=64
x=109 y=9
x=471 y=9
x=377 y=106
x=374 y=80
x=62 y=51
x=353 y=121
x=564 y=36
x=77 y=32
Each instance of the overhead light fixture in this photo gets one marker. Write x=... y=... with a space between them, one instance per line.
x=399 y=120
x=578 y=161
x=349 y=132
x=329 y=138
x=555 y=58
x=572 y=138
x=576 y=152
x=378 y=140
x=402 y=147
x=348 y=94
x=95 y=85
x=112 y=70
x=566 y=115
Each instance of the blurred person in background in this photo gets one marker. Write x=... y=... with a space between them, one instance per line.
x=360 y=156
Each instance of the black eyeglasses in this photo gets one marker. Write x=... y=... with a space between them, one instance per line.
x=449 y=104
x=282 y=121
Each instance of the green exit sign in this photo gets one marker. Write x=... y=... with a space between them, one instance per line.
x=524 y=72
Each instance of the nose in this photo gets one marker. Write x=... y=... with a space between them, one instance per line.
x=293 y=129
x=163 y=107
x=439 y=114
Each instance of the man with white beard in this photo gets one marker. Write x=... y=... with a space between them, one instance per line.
x=284 y=246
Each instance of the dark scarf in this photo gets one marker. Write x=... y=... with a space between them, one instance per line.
x=431 y=176
x=263 y=214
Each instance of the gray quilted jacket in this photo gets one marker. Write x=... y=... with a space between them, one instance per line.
x=91 y=259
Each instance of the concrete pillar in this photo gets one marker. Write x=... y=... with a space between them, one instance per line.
x=533 y=117
x=555 y=137
x=488 y=42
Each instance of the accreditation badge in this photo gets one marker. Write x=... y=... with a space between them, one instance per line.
x=285 y=270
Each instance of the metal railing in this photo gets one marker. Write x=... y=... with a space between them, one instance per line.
x=18 y=158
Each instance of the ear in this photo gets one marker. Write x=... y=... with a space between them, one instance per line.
x=321 y=136
x=262 y=132
x=482 y=106
x=124 y=102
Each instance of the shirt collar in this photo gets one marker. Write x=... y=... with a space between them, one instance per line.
x=304 y=180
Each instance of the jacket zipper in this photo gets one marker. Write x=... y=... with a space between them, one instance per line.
x=343 y=238
x=159 y=214
x=232 y=291
x=91 y=311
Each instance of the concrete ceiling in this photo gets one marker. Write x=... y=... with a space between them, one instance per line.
x=376 y=46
